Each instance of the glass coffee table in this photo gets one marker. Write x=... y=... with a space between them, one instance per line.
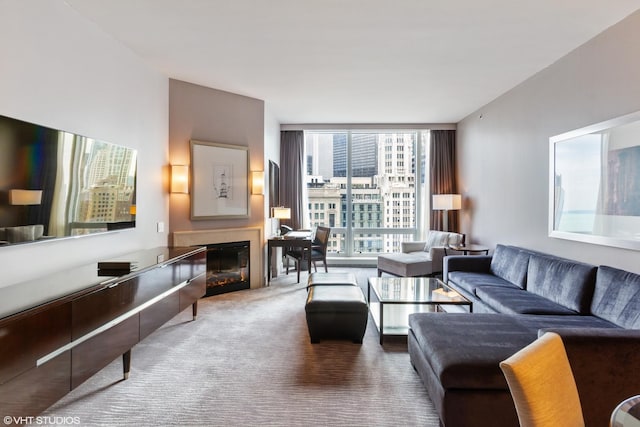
x=397 y=297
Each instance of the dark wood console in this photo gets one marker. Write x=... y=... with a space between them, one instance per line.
x=59 y=330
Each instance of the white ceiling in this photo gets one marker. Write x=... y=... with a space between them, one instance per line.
x=356 y=61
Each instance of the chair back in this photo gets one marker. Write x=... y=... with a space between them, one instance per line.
x=322 y=238
x=542 y=384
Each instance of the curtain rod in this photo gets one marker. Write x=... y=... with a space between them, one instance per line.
x=365 y=126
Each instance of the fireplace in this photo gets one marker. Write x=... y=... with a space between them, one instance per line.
x=224 y=235
x=227 y=267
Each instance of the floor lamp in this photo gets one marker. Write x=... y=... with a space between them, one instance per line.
x=446 y=203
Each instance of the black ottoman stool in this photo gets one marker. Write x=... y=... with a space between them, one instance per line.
x=336 y=311
x=321 y=278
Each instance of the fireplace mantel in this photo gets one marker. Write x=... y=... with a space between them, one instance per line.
x=227 y=235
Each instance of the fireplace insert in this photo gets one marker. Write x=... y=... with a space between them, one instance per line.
x=227 y=267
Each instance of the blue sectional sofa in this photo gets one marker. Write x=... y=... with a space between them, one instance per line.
x=518 y=294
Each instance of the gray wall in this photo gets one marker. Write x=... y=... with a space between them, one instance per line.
x=503 y=148
x=61 y=71
x=205 y=114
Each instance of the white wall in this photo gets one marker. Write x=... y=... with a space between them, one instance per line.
x=503 y=157
x=271 y=152
x=61 y=71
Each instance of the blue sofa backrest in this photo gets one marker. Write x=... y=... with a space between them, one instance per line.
x=510 y=263
x=565 y=282
x=617 y=297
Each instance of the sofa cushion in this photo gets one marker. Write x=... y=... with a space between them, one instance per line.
x=464 y=349
x=513 y=300
x=561 y=321
x=510 y=263
x=565 y=282
x=617 y=297
x=469 y=281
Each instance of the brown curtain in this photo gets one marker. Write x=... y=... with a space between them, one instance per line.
x=292 y=176
x=443 y=175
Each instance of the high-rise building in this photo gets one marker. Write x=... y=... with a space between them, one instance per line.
x=317 y=164
x=364 y=154
x=382 y=187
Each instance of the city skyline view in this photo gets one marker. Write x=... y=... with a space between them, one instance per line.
x=363 y=186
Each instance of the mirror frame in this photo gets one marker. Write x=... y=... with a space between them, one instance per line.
x=609 y=228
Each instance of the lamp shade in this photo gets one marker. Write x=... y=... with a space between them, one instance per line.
x=180 y=179
x=281 y=213
x=257 y=182
x=447 y=202
x=25 y=197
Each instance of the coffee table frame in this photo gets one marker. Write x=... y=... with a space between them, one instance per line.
x=423 y=294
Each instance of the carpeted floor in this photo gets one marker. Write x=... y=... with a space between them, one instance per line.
x=247 y=360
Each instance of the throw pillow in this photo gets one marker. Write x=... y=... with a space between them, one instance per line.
x=455 y=239
x=436 y=238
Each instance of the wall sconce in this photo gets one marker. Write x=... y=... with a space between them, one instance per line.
x=446 y=203
x=25 y=197
x=257 y=182
x=180 y=179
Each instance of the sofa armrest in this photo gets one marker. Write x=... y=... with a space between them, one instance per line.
x=407 y=247
x=604 y=363
x=437 y=254
x=470 y=263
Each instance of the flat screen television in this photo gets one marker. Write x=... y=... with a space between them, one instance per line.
x=274 y=184
x=56 y=184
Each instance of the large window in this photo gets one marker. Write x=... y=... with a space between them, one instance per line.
x=367 y=186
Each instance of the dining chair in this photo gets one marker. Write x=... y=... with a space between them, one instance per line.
x=542 y=384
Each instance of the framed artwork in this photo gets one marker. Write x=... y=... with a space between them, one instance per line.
x=220 y=181
x=594 y=183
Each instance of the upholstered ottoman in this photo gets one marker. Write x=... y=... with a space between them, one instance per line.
x=336 y=311
x=405 y=264
x=316 y=279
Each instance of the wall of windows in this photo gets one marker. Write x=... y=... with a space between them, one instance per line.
x=368 y=186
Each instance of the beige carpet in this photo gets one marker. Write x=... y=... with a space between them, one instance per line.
x=247 y=360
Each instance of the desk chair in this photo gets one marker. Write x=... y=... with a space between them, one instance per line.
x=542 y=384
x=318 y=251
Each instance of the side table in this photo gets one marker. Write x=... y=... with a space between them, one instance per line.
x=627 y=413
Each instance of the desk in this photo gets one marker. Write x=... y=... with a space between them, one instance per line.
x=284 y=242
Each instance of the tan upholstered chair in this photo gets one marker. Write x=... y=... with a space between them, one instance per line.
x=542 y=384
x=419 y=258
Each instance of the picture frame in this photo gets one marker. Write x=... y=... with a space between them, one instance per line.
x=594 y=183
x=219 y=181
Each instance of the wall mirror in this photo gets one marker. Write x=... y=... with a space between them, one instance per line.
x=594 y=184
x=56 y=184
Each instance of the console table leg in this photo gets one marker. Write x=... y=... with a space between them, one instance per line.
x=194 y=309
x=126 y=363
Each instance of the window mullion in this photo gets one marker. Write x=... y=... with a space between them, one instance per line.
x=349 y=234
